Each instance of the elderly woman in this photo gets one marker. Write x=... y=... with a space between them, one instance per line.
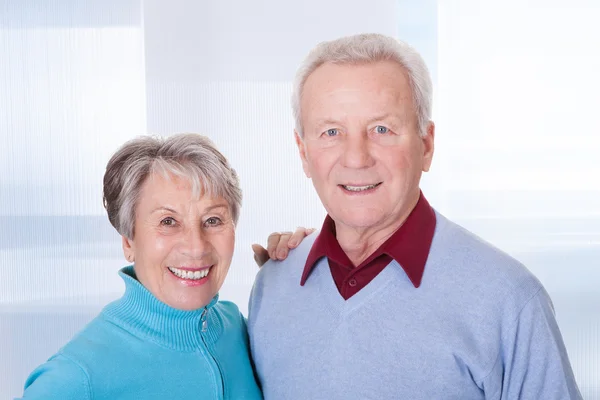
x=175 y=202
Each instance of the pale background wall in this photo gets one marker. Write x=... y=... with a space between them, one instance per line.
x=517 y=140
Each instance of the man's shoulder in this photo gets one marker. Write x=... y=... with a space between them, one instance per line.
x=279 y=281
x=470 y=258
x=292 y=267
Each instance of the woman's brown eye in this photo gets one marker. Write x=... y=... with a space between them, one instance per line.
x=213 y=221
x=168 y=221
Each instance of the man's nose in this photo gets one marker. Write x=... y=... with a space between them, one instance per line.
x=357 y=152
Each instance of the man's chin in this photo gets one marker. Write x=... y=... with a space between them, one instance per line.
x=358 y=218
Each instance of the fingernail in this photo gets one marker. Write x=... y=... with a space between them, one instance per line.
x=281 y=253
x=293 y=243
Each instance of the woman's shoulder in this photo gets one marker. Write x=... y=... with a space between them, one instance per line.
x=99 y=334
x=66 y=374
x=229 y=310
x=61 y=377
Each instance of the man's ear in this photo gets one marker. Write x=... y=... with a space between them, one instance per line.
x=302 y=150
x=428 y=146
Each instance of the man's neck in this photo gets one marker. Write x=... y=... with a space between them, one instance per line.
x=359 y=243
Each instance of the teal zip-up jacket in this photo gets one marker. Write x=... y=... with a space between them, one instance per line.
x=140 y=348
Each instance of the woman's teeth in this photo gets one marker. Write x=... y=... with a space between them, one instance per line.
x=194 y=275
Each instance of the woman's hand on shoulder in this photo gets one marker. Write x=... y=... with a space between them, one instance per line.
x=279 y=244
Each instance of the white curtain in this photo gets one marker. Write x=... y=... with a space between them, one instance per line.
x=72 y=89
x=517 y=147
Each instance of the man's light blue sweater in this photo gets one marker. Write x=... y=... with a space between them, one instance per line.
x=480 y=326
x=140 y=348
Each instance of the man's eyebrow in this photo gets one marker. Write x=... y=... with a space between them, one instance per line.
x=327 y=121
x=386 y=116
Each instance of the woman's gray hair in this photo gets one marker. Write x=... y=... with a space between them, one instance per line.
x=363 y=49
x=187 y=155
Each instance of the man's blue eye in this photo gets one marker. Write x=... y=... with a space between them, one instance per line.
x=331 y=132
x=381 y=129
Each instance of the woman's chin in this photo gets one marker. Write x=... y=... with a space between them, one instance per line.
x=188 y=294
x=187 y=288
x=190 y=303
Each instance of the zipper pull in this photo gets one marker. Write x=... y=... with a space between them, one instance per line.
x=204 y=321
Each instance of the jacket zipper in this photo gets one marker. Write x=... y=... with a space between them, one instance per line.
x=203 y=330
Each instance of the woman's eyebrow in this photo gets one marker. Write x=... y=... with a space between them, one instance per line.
x=220 y=205
x=162 y=208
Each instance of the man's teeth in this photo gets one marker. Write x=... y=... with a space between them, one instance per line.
x=183 y=274
x=359 y=188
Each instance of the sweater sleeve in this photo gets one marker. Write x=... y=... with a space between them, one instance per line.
x=58 y=378
x=532 y=362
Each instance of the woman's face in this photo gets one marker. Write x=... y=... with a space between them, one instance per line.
x=182 y=246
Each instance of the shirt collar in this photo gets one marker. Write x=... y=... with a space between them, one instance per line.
x=409 y=245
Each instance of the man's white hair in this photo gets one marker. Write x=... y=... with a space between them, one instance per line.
x=363 y=49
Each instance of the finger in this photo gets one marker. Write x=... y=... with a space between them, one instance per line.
x=297 y=237
x=261 y=256
x=282 y=246
x=272 y=242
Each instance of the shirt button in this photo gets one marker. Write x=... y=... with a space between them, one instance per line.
x=352 y=282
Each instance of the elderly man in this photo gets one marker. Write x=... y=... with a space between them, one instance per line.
x=391 y=300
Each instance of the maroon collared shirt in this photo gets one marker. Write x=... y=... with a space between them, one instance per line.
x=409 y=246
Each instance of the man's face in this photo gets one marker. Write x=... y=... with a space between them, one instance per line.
x=361 y=145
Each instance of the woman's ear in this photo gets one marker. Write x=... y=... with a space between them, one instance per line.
x=128 y=249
